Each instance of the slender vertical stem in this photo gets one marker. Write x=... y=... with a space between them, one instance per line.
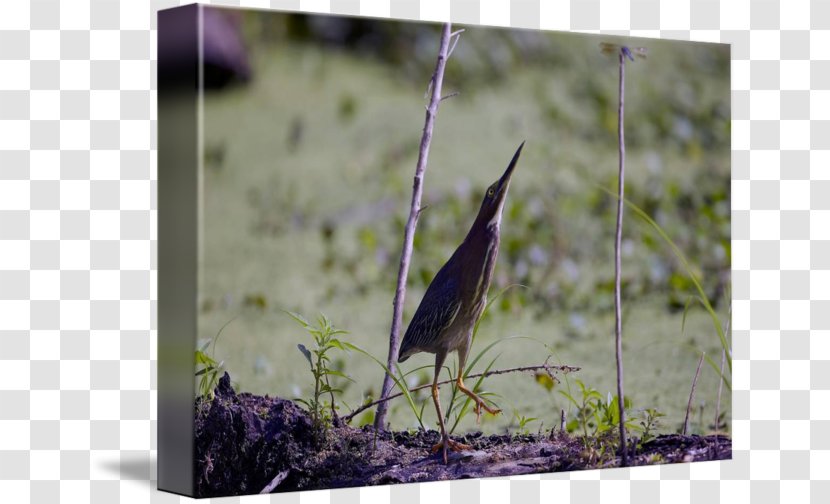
x=722 y=363
x=720 y=390
x=692 y=394
x=412 y=222
x=618 y=261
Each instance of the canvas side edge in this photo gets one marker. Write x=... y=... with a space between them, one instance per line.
x=178 y=230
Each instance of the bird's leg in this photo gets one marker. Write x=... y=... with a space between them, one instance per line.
x=459 y=382
x=446 y=443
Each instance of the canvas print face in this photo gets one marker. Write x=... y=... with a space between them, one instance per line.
x=311 y=133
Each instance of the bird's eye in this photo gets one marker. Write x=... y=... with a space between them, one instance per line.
x=491 y=191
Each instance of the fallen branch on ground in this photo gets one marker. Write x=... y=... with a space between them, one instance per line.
x=279 y=478
x=543 y=367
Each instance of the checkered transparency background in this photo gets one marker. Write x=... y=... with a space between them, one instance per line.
x=78 y=250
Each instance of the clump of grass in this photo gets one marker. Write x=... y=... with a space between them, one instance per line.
x=208 y=370
x=600 y=415
x=325 y=340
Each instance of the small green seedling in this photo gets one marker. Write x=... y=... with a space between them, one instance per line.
x=325 y=339
x=208 y=370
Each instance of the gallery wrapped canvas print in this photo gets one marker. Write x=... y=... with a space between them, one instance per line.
x=397 y=252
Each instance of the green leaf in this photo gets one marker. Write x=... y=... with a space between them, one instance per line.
x=299 y=318
x=689 y=271
x=306 y=353
x=203 y=358
x=334 y=372
x=478 y=356
x=428 y=366
x=572 y=425
x=489 y=303
x=593 y=394
x=569 y=397
x=398 y=382
x=614 y=411
x=545 y=380
x=221 y=329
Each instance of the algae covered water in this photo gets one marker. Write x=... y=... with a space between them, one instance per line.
x=307 y=179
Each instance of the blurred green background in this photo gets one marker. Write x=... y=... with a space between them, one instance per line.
x=307 y=179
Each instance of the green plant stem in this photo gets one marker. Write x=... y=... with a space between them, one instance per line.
x=703 y=298
x=692 y=396
x=317 y=389
x=720 y=382
x=583 y=415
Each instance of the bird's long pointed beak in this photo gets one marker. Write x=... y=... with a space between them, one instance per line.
x=505 y=179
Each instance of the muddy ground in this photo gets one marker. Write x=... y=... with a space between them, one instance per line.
x=249 y=444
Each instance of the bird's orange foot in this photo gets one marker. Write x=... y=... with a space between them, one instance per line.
x=479 y=405
x=449 y=444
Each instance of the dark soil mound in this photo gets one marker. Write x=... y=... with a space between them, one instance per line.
x=245 y=443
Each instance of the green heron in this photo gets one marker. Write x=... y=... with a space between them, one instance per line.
x=456 y=297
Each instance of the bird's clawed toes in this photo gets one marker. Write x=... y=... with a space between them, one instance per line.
x=448 y=444
x=479 y=405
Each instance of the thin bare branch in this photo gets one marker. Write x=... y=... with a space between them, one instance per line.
x=692 y=394
x=550 y=370
x=618 y=260
x=455 y=36
x=436 y=82
x=451 y=95
x=429 y=89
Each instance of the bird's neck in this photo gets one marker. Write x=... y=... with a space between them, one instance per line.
x=480 y=265
x=482 y=232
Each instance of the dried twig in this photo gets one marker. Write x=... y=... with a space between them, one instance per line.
x=618 y=259
x=692 y=394
x=414 y=212
x=279 y=478
x=454 y=36
x=550 y=370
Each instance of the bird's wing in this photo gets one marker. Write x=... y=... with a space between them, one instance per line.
x=437 y=310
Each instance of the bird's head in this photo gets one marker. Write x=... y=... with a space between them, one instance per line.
x=496 y=194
